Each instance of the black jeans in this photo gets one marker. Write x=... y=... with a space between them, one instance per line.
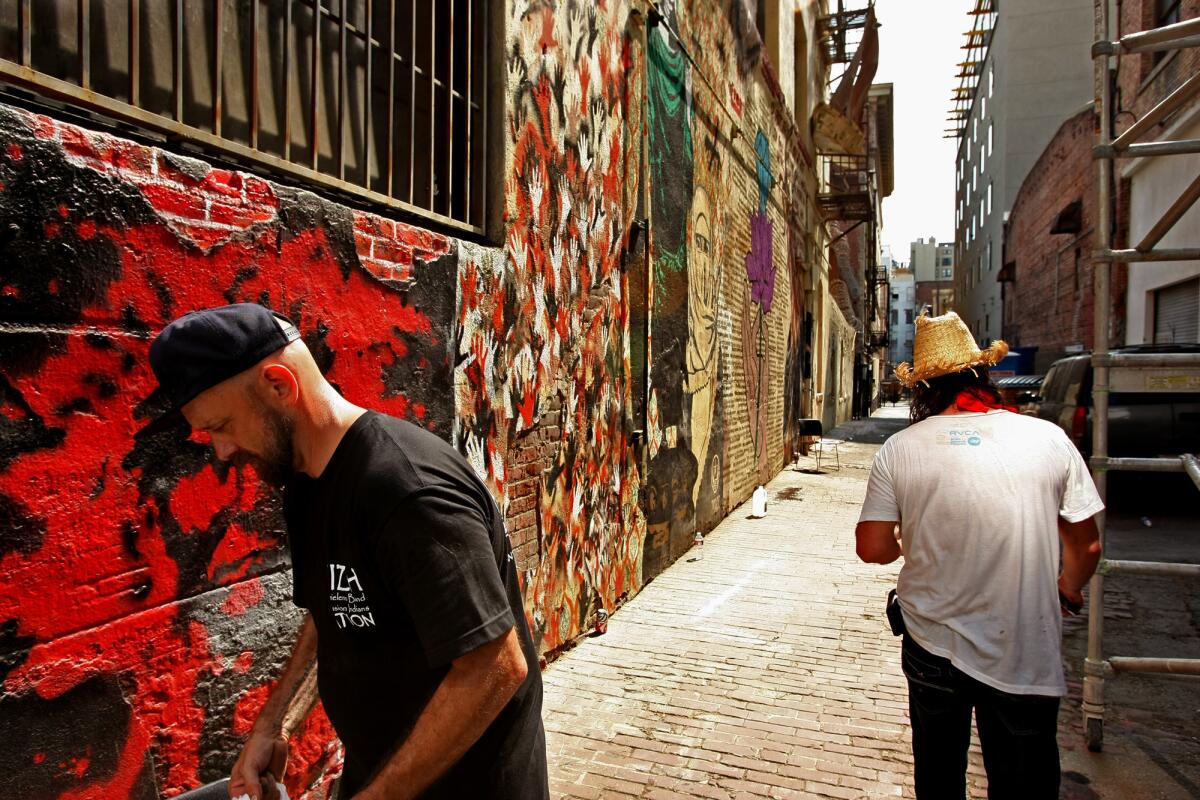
x=1016 y=731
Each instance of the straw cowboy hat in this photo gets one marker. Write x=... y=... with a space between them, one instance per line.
x=944 y=344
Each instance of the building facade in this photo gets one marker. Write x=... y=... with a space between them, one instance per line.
x=1028 y=67
x=1047 y=277
x=580 y=242
x=932 y=265
x=1163 y=299
x=901 y=316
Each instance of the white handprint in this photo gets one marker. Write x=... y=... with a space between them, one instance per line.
x=516 y=74
x=537 y=186
x=577 y=503
x=517 y=251
x=572 y=93
x=572 y=404
x=475 y=455
x=498 y=465
x=564 y=200
x=585 y=157
x=489 y=363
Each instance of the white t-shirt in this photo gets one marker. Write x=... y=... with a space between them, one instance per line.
x=978 y=497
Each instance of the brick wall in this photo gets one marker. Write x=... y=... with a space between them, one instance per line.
x=145 y=605
x=1049 y=304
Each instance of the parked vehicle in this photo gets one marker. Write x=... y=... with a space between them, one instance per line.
x=1020 y=391
x=1140 y=424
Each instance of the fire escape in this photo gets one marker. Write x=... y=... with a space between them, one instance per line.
x=848 y=195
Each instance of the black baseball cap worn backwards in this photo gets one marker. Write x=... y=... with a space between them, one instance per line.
x=203 y=348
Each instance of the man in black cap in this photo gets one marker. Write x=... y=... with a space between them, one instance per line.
x=426 y=665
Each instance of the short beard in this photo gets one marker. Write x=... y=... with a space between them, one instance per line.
x=276 y=464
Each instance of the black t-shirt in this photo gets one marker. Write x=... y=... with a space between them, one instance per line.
x=401 y=556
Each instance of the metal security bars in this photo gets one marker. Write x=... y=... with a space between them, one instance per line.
x=1124 y=372
x=383 y=99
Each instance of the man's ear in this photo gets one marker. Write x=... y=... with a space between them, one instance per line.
x=280 y=383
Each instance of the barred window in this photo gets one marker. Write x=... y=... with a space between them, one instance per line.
x=383 y=99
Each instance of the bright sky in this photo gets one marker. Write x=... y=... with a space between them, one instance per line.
x=918 y=50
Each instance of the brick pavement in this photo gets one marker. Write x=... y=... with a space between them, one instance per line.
x=763 y=670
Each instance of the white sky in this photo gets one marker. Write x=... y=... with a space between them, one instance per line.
x=918 y=49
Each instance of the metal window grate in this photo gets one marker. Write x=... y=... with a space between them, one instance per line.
x=383 y=99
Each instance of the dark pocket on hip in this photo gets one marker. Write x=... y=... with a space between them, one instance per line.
x=924 y=668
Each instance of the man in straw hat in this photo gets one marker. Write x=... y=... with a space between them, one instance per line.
x=982 y=497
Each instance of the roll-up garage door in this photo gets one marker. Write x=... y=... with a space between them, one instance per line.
x=1177 y=313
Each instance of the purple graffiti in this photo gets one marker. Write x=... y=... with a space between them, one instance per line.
x=760 y=267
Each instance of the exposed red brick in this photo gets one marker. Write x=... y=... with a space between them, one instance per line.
x=132 y=157
x=174 y=201
x=240 y=215
x=222 y=181
x=374 y=225
x=259 y=191
x=1050 y=304
x=389 y=250
x=363 y=243
x=78 y=142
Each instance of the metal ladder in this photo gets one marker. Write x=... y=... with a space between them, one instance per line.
x=1127 y=371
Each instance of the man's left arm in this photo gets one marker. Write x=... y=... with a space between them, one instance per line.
x=474 y=691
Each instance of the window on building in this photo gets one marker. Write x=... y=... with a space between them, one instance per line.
x=991 y=79
x=1166 y=12
x=982 y=158
x=349 y=97
x=975 y=129
x=989 y=197
x=767 y=21
x=988 y=269
x=991 y=136
x=908 y=316
x=895 y=317
x=983 y=107
x=800 y=70
x=1176 y=311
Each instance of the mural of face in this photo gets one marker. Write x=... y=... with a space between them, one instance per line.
x=701 y=354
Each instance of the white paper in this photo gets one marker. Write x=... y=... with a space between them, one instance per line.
x=283 y=795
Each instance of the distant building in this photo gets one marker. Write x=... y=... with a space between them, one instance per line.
x=901 y=313
x=1028 y=68
x=932 y=265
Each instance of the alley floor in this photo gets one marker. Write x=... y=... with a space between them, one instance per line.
x=766 y=670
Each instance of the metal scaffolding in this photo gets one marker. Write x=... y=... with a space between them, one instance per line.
x=970 y=69
x=1127 y=371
